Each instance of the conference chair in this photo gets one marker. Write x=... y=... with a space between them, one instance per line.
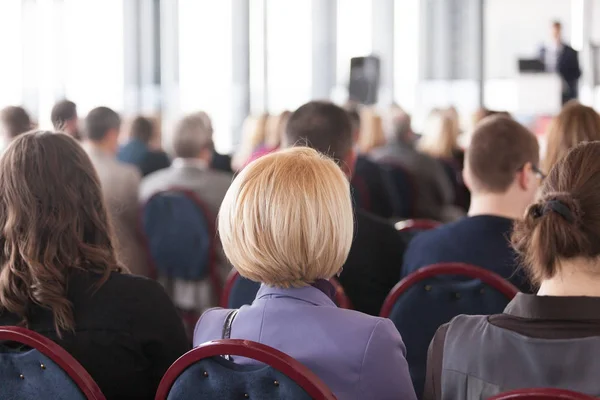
x=239 y=291
x=34 y=367
x=542 y=394
x=204 y=373
x=431 y=296
x=180 y=238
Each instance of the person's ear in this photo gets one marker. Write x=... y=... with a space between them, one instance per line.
x=525 y=177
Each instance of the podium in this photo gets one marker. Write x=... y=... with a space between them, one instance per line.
x=539 y=93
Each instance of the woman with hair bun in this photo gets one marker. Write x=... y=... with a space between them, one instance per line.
x=550 y=339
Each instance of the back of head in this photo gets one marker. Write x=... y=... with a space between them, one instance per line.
x=322 y=126
x=286 y=220
x=142 y=129
x=253 y=135
x=99 y=122
x=401 y=126
x=575 y=123
x=499 y=148
x=15 y=121
x=440 y=135
x=192 y=136
x=276 y=125
x=53 y=220
x=565 y=223
x=62 y=112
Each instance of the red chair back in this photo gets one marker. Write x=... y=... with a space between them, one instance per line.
x=470 y=271
x=57 y=354
x=542 y=394
x=276 y=359
x=409 y=225
x=214 y=277
x=341 y=299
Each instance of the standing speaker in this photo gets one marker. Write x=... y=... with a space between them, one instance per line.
x=364 y=79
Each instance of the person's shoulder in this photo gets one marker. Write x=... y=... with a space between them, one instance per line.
x=366 y=218
x=210 y=325
x=125 y=171
x=134 y=284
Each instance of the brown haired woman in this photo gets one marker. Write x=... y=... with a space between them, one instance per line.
x=551 y=339
x=59 y=275
x=575 y=124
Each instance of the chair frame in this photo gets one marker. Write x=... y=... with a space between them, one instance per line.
x=340 y=295
x=278 y=360
x=542 y=394
x=212 y=255
x=57 y=354
x=490 y=278
x=407 y=225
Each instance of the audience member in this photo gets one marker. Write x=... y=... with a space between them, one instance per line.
x=544 y=340
x=370 y=184
x=253 y=136
x=373 y=265
x=120 y=184
x=14 y=121
x=575 y=123
x=371 y=131
x=193 y=147
x=286 y=222
x=434 y=191
x=139 y=152
x=439 y=137
x=502 y=172
x=275 y=130
x=59 y=274
x=64 y=118
x=440 y=140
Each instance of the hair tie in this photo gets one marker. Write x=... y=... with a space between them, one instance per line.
x=560 y=208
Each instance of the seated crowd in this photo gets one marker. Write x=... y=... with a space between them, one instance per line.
x=316 y=200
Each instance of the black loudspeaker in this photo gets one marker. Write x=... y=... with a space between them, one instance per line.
x=364 y=79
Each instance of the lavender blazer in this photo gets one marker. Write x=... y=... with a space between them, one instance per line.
x=358 y=356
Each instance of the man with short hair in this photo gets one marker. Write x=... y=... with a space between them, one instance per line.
x=139 y=150
x=193 y=147
x=120 y=183
x=501 y=170
x=64 y=118
x=373 y=265
x=434 y=191
x=13 y=122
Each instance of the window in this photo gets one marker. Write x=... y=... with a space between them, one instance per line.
x=11 y=45
x=205 y=41
x=354 y=34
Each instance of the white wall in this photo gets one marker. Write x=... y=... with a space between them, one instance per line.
x=517 y=28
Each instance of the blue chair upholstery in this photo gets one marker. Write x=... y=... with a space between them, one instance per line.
x=202 y=373
x=243 y=291
x=218 y=378
x=178 y=236
x=432 y=302
x=28 y=374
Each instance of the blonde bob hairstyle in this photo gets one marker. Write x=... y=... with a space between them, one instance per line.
x=287 y=219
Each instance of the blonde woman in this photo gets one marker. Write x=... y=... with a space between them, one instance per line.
x=440 y=135
x=575 y=123
x=371 y=132
x=275 y=130
x=253 y=136
x=287 y=222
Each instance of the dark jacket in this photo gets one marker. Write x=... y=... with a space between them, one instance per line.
x=373 y=265
x=568 y=68
x=370 y=190
x=137 y=153
x=127 y=333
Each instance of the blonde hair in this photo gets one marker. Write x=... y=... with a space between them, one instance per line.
x=440 y=135
x=287 y=219
x=575 y=123
x=253 y=135
x=371 y=131
x=275 y=129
